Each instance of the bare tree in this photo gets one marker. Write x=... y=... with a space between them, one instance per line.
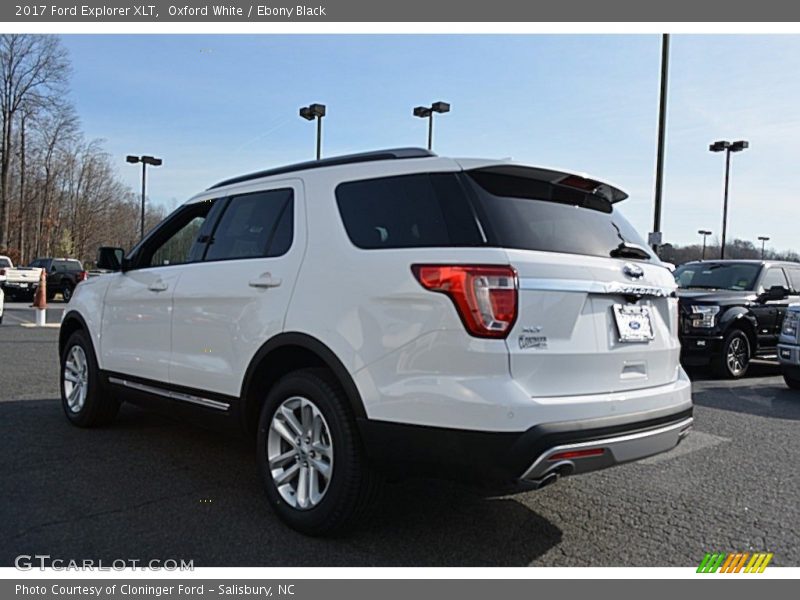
x=33 y=69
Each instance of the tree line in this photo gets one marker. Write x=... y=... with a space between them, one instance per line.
x=736 y=249
x=59 y=192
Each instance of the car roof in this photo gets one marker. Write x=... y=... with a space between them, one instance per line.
x=409 y=160
x=751 y=261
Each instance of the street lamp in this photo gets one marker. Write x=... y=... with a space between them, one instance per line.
x=311 y=112
x=704 y=233
x=145 y=160
x=426 y=112
x=727 y=147
x=764 y=239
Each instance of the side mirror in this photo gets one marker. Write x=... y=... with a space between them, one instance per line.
x=776 y=292
x=109 y=258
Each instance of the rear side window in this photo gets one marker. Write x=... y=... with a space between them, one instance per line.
x=525 y=213
x=408 y=211
x=254 y=226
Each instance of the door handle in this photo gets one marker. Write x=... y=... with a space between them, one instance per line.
x=158 y=286
x=265 y=280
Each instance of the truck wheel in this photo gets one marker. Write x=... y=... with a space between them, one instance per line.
x=734 y=358
x=66 y=293
x=316 y=475
x=83 y=398
x=792 y=378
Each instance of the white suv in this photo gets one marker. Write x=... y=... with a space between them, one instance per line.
x=396 y=312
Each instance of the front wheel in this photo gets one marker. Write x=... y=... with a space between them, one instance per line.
x=734 y=358
x=82 y=397
x=66 y=293
x=316 y=475
x=792 y=378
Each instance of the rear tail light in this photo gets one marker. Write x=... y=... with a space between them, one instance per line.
x=83 y=276
x=578 y=454
x=484 y=296
x=2 y=271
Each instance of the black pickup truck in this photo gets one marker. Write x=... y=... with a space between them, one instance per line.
x=732 y=310
x=63 y=274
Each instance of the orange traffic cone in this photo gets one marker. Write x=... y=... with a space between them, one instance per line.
x=40 y=300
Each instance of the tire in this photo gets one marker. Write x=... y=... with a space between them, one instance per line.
x=342 y=501
x=792 y=378
x=92 y=407
x=66 y=293
x=734 y=357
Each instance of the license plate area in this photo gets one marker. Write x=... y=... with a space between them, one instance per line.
x=634 y=323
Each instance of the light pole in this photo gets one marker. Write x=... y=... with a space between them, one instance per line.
x=655 y=239
x=311 y=112
x=704 y=233
x=426 y=112
x=727 y=147
x=764 y=239
x=145 y=160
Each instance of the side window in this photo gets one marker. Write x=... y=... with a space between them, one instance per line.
x=175 y=241
x=254 y=226
x=407 y=211
x=774 y=277
x=794 y=279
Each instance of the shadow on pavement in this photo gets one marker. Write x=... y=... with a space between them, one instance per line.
x=147 y=488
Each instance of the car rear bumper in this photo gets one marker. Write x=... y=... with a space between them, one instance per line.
x=525 y=459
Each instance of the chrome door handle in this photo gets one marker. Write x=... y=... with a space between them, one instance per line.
x=158 y=286
x=265 y=281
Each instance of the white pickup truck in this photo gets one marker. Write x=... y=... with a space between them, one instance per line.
x=18 y=282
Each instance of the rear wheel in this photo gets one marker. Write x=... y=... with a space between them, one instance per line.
x=66 y=293
x=316 y=475
x=792 y=378
x=734 y=358
x=82 y=396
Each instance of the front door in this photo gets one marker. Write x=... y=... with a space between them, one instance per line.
x=137 y=318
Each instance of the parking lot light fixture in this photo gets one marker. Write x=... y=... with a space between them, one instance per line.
x=763 y=239
x=727 y=147
x=311 y=112
x=145 y=160
x=426 y=112
x=705 y=233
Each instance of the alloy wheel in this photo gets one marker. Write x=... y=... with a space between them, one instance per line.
x=76 y=379
x=738 y=355
x=300 y=453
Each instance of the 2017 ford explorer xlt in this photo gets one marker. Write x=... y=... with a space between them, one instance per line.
x=391 y=311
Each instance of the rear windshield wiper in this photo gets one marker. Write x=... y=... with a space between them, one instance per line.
x=626 y=250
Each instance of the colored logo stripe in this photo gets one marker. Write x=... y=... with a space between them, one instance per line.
x=734 y=562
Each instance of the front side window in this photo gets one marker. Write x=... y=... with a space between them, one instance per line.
x=773 y=277
x=794 y=279
x=175 y=242
x=254 y=226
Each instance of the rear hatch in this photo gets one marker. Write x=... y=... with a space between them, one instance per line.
x=596 y=309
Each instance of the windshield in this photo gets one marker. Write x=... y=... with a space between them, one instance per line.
x=718 y=276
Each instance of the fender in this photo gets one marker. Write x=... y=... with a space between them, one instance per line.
x=68 y=326
x=325 y=354
x=734 y=314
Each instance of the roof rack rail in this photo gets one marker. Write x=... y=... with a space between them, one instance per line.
x=389 y=154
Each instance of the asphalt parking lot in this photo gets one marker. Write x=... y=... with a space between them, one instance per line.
x=150 y=488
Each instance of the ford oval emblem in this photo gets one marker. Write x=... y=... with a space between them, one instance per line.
x=633 y=271
x=634 y=325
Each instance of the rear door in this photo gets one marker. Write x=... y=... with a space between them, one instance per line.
x=770 y=314
x=589 y=322
x=229 y=303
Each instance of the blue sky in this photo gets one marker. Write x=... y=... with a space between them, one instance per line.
x=217 y=106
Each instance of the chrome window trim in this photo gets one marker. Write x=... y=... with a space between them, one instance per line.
x=593 y=287
x=215 y=404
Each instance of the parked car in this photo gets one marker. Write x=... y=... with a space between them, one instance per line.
x=63 y=275
x=789 y=347
x=732 y=310
x=21 y=282
x=391 y=312
x=5 y=263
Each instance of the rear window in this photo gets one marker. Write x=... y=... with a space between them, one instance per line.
x=483 y=208
x=4 y=263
